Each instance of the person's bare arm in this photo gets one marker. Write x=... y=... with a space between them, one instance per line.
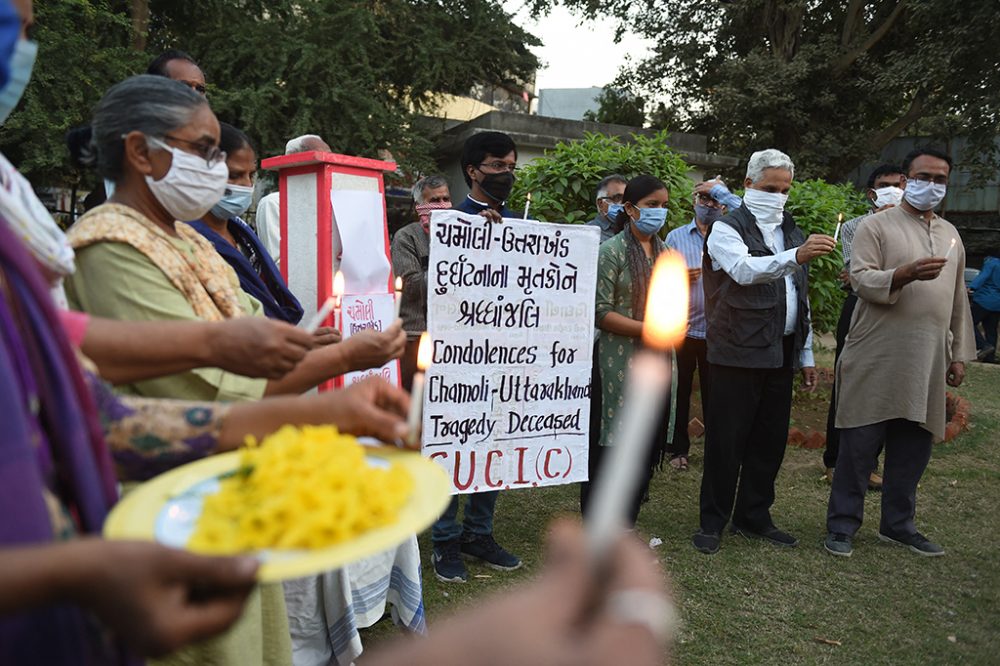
x=369 y=408
x=614 y=322
x=131 y=351
x=364 y=350
x=154 y=598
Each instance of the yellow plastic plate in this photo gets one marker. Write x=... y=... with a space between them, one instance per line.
x=166 y=508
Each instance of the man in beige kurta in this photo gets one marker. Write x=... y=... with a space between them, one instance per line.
x=911 y=332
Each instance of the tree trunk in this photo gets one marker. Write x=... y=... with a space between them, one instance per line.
x=139 y=11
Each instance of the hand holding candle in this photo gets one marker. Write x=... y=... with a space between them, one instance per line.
x=417 y=392
x=665 y=325
x=951 y=248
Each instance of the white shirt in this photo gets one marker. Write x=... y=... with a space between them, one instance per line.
x=268 y=222
x=731 y=254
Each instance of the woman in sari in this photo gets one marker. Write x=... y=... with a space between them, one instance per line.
x=158 y=140
x=233 y=238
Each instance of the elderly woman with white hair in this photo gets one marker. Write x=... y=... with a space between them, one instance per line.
x=755 y=273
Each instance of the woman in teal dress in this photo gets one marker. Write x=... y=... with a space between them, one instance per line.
x=624 y=267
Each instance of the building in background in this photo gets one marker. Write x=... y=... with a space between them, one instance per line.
x=568 y=103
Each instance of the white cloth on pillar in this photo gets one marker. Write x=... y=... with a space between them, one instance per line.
x=268 y=221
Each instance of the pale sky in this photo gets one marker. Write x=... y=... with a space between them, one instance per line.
x=578 y=56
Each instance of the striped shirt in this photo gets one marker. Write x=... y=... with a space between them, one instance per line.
x=847 y=231
x=690 y=243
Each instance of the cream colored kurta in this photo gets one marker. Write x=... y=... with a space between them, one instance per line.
x=902 y=341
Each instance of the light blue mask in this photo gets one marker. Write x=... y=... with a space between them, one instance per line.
x=613 y=210
x=21 y=64
x=650 y=220
x=234 y=202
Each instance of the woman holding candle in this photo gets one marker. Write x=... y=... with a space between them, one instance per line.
x=137 y=260
x=623 y=271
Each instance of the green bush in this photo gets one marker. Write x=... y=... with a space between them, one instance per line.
x=562 y=184
x=815 y=205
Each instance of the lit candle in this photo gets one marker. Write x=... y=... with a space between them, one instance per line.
x=321 y=314
x=527 y=205
x=836 y=232
x=399 y=297
x=950 y=249
x=417 y=392
x=338 y=295
x=646 y=387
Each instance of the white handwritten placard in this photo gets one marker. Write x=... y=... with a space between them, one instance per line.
x=510 y=312
x=369 y=312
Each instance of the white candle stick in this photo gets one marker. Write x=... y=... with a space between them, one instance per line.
x=417 y=392
x=321 y=315
x=399 y=297
x=950 y=249
x=622 y=468
x=836 y=232
x=645 y=392
x=527 y=205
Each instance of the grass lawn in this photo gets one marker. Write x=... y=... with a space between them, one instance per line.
x=755 y=604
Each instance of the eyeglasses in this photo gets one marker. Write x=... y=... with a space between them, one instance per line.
x=925 y=177
x=211 y=154
x=706 y=200
x=498 y=167
x=196 y=86
x=617 y=198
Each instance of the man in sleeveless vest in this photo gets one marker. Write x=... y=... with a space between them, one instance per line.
x=758 y=333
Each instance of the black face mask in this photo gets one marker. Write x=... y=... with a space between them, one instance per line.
x=498 y=185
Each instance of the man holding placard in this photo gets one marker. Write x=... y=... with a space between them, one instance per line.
x=488 y=163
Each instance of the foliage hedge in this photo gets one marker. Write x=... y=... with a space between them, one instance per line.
x=563 y=182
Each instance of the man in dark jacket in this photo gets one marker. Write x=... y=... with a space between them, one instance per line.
x=757 y=311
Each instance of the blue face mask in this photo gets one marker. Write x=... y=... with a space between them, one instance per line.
x=613 y=210
x=234 y=202
x=707 y=214
x=650 y=220
x=21 y=64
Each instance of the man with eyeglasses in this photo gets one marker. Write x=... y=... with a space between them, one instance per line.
x=884 y=191
x=179 y=66
x=609 y=198
x=910 y=335
x=488 y=163
x=689 y=240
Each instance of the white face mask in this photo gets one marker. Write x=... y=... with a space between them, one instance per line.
x=767 y=207
x=924 y=195
x=888 y=196
x=190 y=188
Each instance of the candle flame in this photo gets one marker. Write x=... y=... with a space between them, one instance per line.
x=338 y=286
x=424 y=352
x=399 y=284
x=667 y=302
x=840 y=218
x=529 y=196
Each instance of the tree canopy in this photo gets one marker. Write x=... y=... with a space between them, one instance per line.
x=355 y=71
x=831 y=82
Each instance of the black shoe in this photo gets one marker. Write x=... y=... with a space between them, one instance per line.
x=706 y=542
x=483 y=547
x=838 y=544
x=447 y=561
x=916 y=542
x=772 y=535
